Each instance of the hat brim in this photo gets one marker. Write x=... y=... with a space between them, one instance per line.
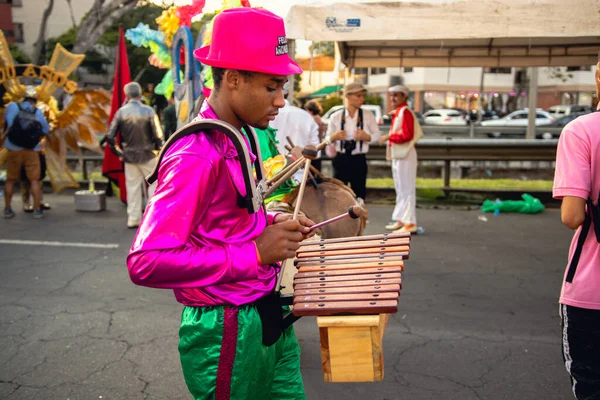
x=363 y=90
x=289 y=68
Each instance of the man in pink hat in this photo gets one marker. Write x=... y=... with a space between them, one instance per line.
x=216 y=256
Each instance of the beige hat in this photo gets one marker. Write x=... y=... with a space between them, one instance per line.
x=354 y=87
x=399 y=89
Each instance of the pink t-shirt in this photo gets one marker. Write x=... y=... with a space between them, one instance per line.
x=578 y=174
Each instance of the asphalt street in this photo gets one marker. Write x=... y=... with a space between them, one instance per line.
x=478 y=314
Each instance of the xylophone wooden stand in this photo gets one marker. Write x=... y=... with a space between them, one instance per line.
x=351 y=347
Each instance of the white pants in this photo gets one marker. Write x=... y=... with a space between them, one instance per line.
x=404 y=172
x=135 y=175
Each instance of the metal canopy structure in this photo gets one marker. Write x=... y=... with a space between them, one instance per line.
x=454 y=33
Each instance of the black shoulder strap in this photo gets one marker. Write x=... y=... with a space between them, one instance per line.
x=252 y=200
x=360 y=123
x=343 y=124
x=592 y=215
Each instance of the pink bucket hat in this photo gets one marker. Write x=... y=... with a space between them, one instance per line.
x=248 y=39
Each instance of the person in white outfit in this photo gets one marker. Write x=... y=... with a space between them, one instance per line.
x=298 y=125
x=404 y=132
x=136 y=125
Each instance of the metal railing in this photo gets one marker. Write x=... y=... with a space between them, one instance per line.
x=447 y=150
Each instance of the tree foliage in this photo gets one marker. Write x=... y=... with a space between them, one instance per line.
x=101 y=56
x=323 y=48
x=18 y=56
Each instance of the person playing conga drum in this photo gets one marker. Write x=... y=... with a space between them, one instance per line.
x=215 y=255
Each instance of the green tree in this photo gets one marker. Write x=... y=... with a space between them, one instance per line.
x=330 y=102
x=297 y=82
x=18 y=56
x=323 y=48
x=373 y=99
x=96 y=62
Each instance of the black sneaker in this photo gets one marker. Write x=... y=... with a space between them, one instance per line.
x=8 y=213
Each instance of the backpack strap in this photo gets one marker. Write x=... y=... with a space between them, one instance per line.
x=592 y=215
x=253 y=199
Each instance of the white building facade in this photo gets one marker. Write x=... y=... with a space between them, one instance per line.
x=27 y=18
x=504 y=89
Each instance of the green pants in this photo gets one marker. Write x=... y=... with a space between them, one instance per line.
x=222 y=356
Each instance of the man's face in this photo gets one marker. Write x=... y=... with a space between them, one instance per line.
x=397 y=98
x=258 y=99
x=356 y=100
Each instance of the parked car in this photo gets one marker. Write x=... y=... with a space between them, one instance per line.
x=558 y=125
x=564 y=110
x=445 y=116
x=518 y=119
x=375 y=109
x=387 y=118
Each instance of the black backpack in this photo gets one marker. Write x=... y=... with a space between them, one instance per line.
x=26 y=130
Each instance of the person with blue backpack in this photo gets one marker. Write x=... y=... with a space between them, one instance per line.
x=25 y=126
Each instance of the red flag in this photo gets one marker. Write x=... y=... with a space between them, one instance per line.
x=112 y=167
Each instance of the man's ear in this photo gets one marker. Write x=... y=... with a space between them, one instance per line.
x=232 y=79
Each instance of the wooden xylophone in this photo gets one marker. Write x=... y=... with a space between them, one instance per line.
x=355 y=275
x=351 y=285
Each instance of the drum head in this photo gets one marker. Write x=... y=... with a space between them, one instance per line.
x=329 y=200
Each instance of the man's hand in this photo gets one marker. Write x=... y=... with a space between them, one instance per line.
x=384 y=139
x=305 y=223
x=362 y=135
x=280 y=241
x=339 y=135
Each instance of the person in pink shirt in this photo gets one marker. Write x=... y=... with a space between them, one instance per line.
x=220 y=259
x=577 y=183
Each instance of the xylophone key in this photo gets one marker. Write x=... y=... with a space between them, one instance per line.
x=349 y=290
x=360 y=263
x=355 y=251
x=346 y=307
x=346 y=297
x=346 y=278
x=358 y=257
x=347 y=284
x=344 y=272
x=355 y=245
x=381 y=237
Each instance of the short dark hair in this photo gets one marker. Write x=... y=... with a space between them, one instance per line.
x=218 y=74
x=313 y=107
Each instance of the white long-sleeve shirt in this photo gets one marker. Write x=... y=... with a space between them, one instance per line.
x=369 y=125
x=299 y=125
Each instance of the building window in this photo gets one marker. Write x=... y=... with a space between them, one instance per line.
x=378 y=71
x=582 y=68
x=408 y=69
x=500 y=70
x=396 y=80
x=19 y=34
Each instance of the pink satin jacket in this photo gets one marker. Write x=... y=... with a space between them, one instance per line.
x=194 y=238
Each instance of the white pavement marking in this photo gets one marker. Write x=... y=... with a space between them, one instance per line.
x=60 y=244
